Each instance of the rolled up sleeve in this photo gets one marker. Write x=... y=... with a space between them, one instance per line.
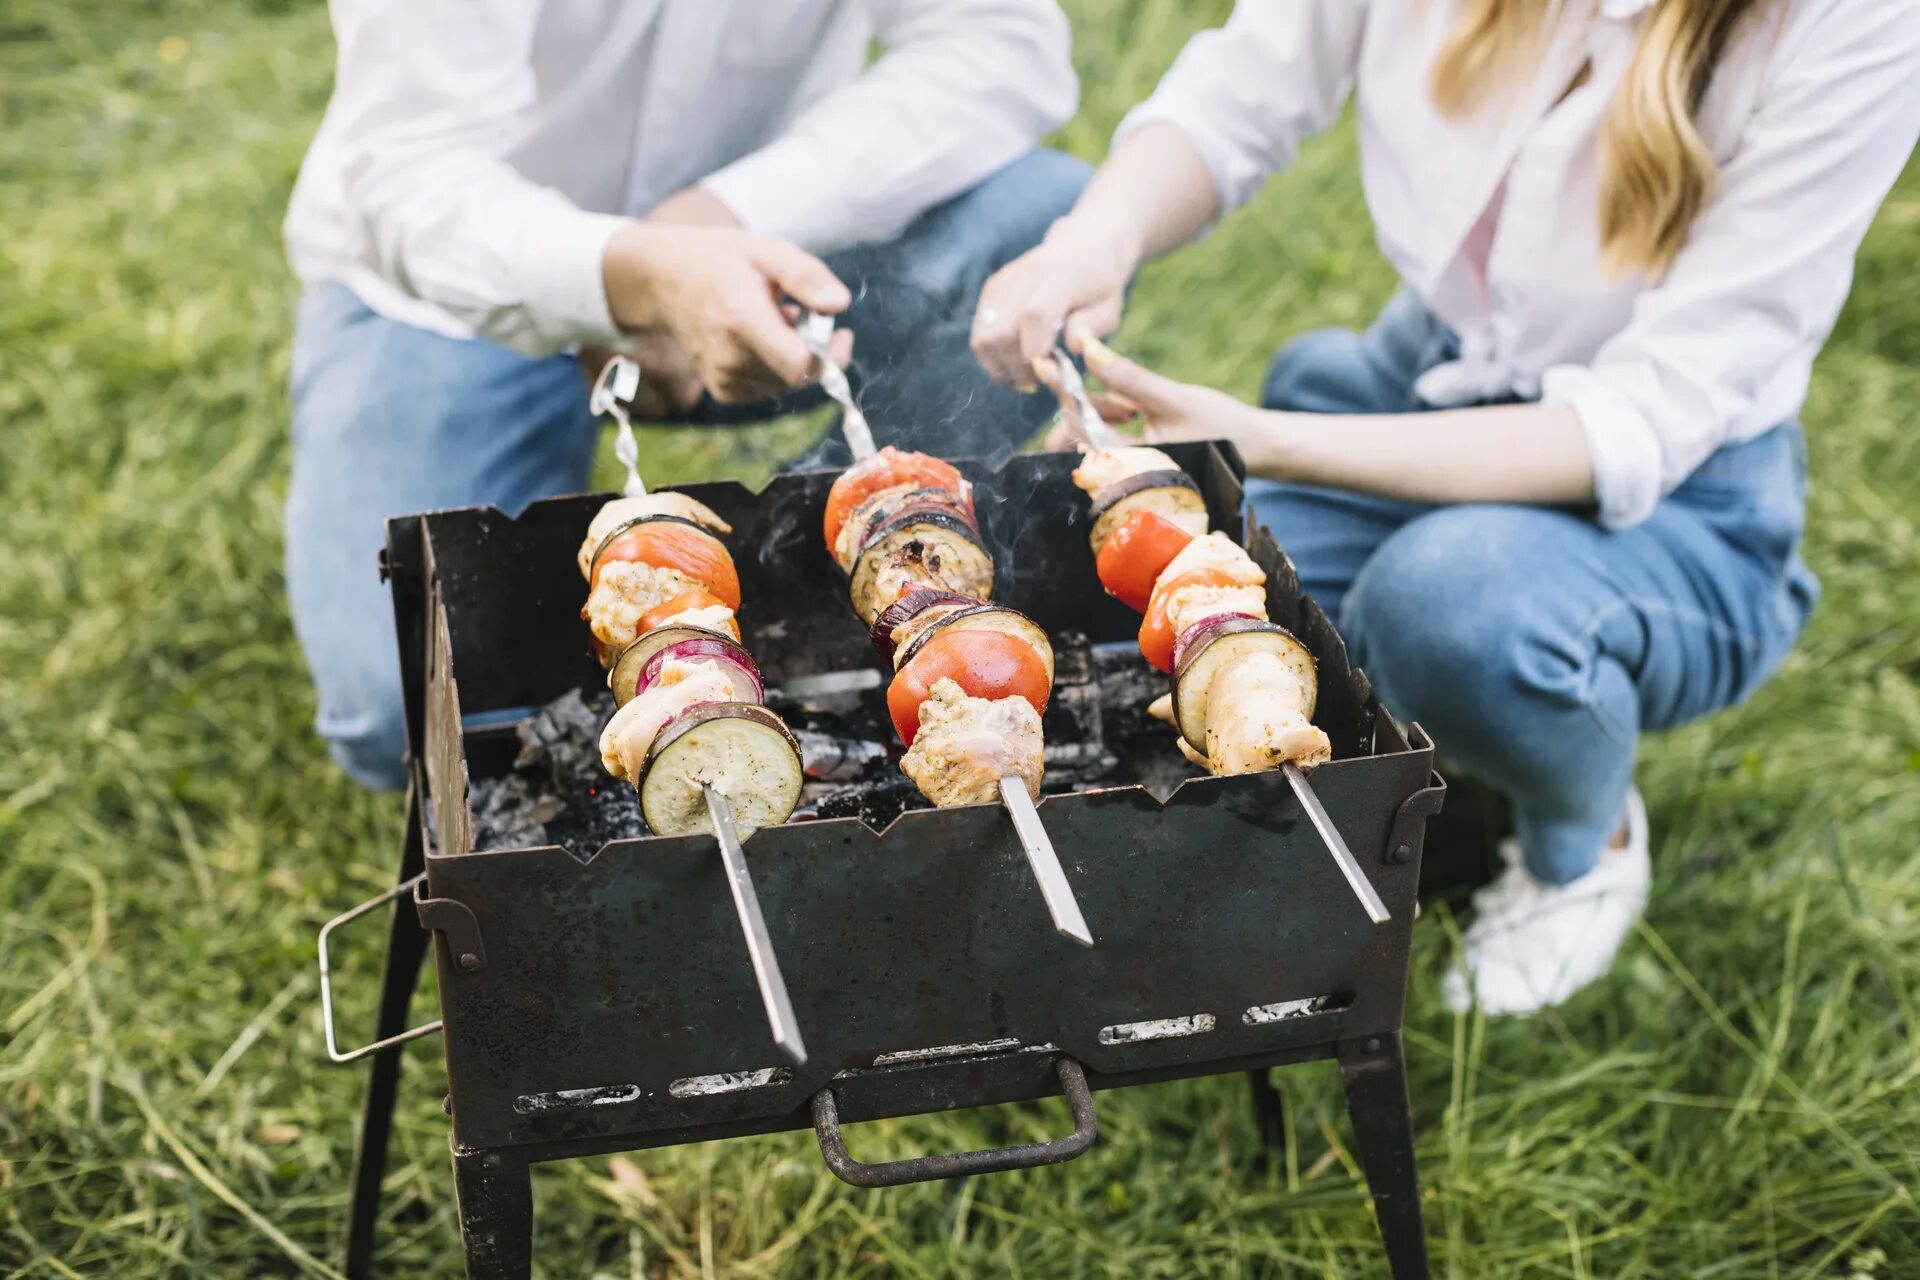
x=1246 y=94
x=1723 y=347
x=964 y=87
x=427 y=93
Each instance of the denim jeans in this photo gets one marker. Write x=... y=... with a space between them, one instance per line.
x=390 y=419
x=1534 y=645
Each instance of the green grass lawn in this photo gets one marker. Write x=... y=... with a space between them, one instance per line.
x=1741 y=1097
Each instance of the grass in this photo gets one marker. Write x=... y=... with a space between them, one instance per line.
x=1737 y=1099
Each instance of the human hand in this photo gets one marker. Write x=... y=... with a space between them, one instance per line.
x=1078 y=274
x=714 y=293
x=1172 y=411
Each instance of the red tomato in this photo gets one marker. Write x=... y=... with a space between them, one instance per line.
x=884 y=470
x=1156 y=633
x=697 y=598
x=665 y=544
x=985 y=664
x=1135 y=554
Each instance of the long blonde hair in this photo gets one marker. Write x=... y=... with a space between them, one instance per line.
x=1655 y=172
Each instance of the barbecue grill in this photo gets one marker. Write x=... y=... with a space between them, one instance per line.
x=601 y=1000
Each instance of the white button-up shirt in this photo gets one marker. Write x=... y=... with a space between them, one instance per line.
x=477 y=154
x=1810 y=117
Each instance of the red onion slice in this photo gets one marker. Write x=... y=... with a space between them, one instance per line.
x=907 y=605
x=747 y=684
x=1198 y=632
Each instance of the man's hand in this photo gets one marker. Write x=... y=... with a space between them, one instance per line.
x=1077 y=275
x=714 y=292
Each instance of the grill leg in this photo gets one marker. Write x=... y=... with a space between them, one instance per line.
x=495 y=1192
x=1375 y=1074
x=1269 y=1117
x=406 y=948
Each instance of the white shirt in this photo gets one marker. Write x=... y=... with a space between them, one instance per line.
x=477 y=154
x=1810 y=118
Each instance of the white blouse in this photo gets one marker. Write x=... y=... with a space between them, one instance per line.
x=1810 y=118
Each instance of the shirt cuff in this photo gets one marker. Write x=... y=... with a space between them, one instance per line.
x=560 y=275
x=776 y=192
x=1621 y=441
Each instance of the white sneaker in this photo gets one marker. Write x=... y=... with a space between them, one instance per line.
x=1532 y=945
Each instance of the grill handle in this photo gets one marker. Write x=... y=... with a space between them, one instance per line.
x=895 y=1173
x=326 y=979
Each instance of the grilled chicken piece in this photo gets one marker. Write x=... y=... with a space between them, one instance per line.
x=714 y=617
x=1161 y=708
x=966 y=745
x=1189 y=605
x=1219 y=552
x=625 y=740
x=626 y=592
x=621 y=510
x=1256 y=719
x=1102 y=467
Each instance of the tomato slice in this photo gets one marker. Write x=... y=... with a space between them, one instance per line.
x=986 y=664
x=1156 y=632
x=1135 y=554
x=668 y=544
x=883 y=470
x=698 y=598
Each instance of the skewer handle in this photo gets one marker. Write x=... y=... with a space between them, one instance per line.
x=816 y=330
x=746 y=904
x=613 y=391
x=1093 y=428
x=1052 y=877
x=1336 y=844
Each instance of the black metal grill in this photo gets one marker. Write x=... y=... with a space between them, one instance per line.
x=605 y=1003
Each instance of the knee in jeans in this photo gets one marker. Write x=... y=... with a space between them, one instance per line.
x=1450 y=628
x=1301 y=373
x=370 y=747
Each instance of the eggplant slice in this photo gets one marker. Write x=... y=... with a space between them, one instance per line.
x=1171 y=493
x=623 y=678
x=744 y=751
x=987 y=617
x=1229 y=639
x=951 y=553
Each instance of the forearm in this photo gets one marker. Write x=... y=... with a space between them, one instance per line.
x=1523 y=453
x=1153 y=195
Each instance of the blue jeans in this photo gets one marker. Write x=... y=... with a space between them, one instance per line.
x=1532 y=644
x=390 y=419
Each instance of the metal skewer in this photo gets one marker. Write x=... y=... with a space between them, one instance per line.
x=1047 y=871
x=613 y=391
x=816 y=329
x=1336 y=844
x=1098 y=434
x=1093 y=428
x=746 y=904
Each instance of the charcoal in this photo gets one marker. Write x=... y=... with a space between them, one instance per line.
x=1097 y=732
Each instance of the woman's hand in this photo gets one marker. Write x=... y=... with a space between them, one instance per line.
x=716 y=292
x=1078 y=274
x=1174 y=411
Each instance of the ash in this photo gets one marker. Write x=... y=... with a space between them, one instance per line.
x=1097 y=732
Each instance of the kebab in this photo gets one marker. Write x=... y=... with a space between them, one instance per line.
x=971 y=678
x=692 y=733
x=1244 y=687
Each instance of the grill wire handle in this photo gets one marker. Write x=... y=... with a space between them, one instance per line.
x=895 y=1173
x=613 y=393
x=753 y=925
x=326 y=980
